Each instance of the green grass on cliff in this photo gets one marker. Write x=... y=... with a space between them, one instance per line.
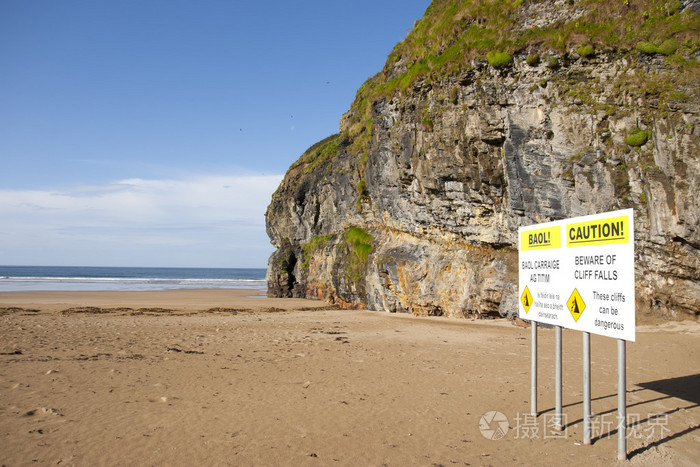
x=667 y=47
x=499 y=59
x=360 y=241
x=638 y=137
x=317 y=154
x=453 y=33
x=310 y=247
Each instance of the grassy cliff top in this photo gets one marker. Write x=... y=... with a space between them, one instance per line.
x=453 y=33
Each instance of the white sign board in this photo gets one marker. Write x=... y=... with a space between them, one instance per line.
x=579 y=273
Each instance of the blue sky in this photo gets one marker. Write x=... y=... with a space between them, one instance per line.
x=153 y=132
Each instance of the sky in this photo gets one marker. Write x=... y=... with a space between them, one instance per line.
x=154 y=132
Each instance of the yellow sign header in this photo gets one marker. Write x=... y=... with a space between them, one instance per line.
x=598 y=232
x=540 y=239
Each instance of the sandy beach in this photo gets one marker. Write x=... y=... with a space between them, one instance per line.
x=229 y=377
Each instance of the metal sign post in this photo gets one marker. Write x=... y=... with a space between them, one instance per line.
x=533 y=370
x=557 y=378
x=586 y=388
x=621 y=400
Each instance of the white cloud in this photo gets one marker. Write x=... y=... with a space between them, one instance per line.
x=215 y=220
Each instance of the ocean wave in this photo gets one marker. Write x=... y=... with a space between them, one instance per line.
x=19 y=283
x=122 y=279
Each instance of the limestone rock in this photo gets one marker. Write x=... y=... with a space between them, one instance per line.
x=450 y=167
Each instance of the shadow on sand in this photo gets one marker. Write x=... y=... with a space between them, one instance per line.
x=686 y=388
x=683 y=387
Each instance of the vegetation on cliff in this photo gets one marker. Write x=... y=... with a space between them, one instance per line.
x=353 y=254
x=453 y=34
x=317 y=154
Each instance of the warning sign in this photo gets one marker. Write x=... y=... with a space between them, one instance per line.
x=576 y=305
x=526 y=299
x=584 y=263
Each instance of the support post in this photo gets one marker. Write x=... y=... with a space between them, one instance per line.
x=621 y=400
x=557 y=378
x=586 y=388
x=533 y=370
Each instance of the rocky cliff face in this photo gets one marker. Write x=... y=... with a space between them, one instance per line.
x=415 y=205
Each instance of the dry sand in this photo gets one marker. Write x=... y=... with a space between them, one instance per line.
x=154 y=378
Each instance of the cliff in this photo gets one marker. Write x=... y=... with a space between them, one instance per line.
x=489 y=116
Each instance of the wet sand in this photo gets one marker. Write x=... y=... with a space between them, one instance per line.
x=220 y=377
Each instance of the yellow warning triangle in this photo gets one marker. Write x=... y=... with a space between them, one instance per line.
x=526 y=299
x=576 y=305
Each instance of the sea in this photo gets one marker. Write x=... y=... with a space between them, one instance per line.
x=78 y=278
